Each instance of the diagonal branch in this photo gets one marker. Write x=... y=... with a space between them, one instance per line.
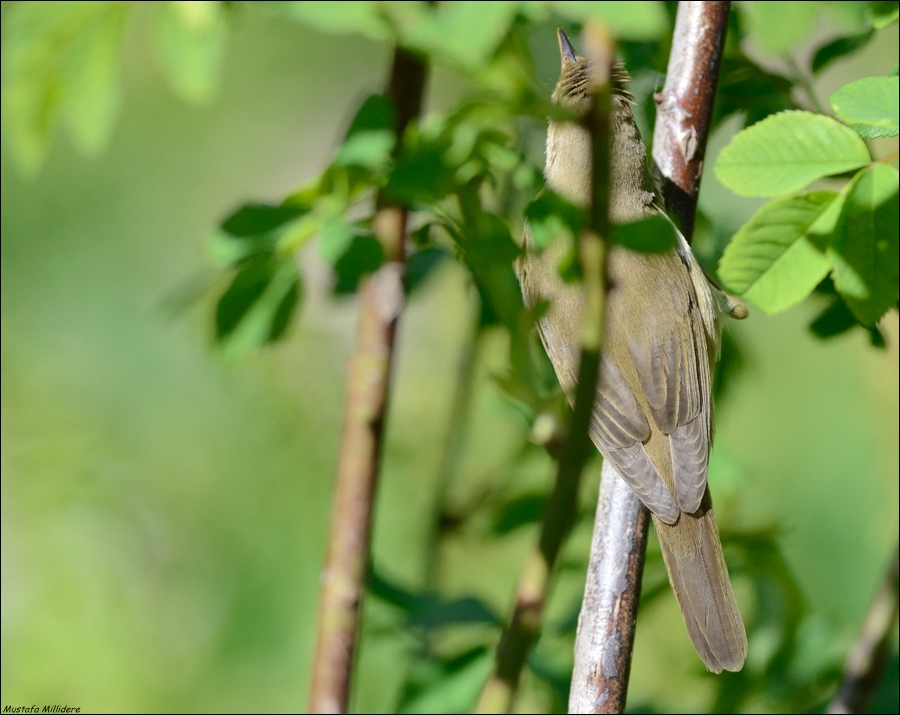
x=868 y=657
x=381 y=301
x=685 y=105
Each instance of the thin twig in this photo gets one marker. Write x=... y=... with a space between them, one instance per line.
x=685 y=105
x=866 y=660
x=523 y=628
x=381 y=301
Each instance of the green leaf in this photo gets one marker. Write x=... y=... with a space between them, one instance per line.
x=446 y=685
x=778 y=27
x=550 y=216
x=466 y=33
x=865 y=244
x=655 y=234
x=421 y=264
x=746 y=88
x=787 y=151
x=189 y=38
x=335 y=237
x=837 y=319
x=370 y=139
x=627 y=20
x=61 y=63
x=364 y=255
x=838 y=48
x=257 y=306
x=871 y=106
x=779 y=256
x=883 y=14
x=345 y=17
x=254 y=218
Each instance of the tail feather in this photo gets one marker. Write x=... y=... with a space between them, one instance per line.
x=693 y=556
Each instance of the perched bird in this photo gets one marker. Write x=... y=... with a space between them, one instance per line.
x=652 y=417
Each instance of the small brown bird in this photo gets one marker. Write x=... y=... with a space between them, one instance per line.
x=652 y=418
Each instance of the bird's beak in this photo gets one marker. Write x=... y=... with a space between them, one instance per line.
x=566 y=51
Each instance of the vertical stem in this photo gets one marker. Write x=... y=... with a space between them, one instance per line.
x=381 y=301
x=685 y=105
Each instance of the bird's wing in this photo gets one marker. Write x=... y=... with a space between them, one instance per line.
x=674 y=378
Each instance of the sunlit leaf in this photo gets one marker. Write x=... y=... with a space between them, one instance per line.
x=335 y=236
x=865 y=245
x=189 y=38
x=628 y=20
x=370 y=139
x=345 y=17
x=871 y=106
x=550 y=216
x=465 y=33
x=776 y=260
x=786 y=152
x=61 y=63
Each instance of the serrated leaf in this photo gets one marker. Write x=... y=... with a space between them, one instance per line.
x=777 y=27
x=871 y=106
x=627 y=20
x=655 y=234
x=837 y=48
x=787 y=151
x=189 y=38
x=865 y=244
x=776 y=260
x=61 y=63
x=257 y=306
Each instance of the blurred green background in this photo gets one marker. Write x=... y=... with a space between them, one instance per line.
x=165 y=510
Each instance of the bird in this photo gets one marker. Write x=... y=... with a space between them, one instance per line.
x=652 y=418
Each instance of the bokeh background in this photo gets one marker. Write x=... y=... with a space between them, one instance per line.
x=165 y=509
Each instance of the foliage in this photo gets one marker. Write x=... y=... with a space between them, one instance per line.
x=465 y=173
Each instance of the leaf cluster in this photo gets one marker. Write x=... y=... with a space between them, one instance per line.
x=807 y=234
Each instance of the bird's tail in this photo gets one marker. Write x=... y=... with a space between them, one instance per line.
x=693 y=556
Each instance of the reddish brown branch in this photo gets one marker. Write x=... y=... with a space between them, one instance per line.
x=381 y=301
x=685 y=105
